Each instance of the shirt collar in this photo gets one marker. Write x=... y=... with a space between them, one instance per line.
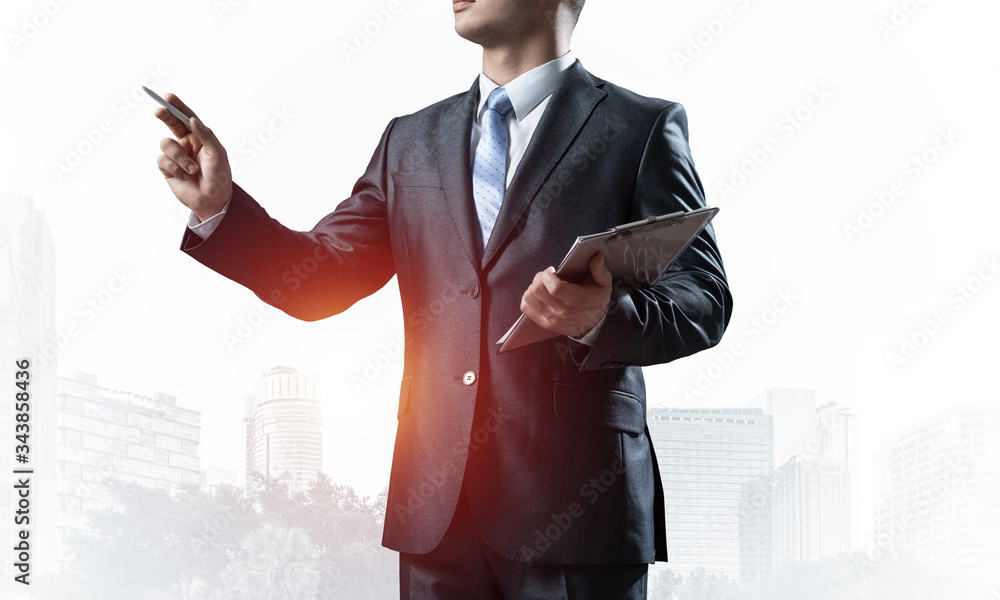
x=528 y=89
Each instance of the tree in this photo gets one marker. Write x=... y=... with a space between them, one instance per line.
x=701 y=586
x=195 y=588
x=277 y=563
x=149 y=539
x=154 y=545
x=665 y=585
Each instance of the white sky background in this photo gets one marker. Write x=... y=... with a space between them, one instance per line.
x=782 y=230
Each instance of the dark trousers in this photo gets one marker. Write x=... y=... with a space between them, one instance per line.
x=463 y=567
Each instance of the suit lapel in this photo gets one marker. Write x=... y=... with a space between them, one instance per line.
x=569 y=108
x=456 y=171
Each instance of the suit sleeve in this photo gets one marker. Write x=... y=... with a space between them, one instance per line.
x=688 y=308
x=309 y=275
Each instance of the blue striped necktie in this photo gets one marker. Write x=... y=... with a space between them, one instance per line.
x=489 y=171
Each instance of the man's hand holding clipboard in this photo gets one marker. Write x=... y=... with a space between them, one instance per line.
x=637 y=254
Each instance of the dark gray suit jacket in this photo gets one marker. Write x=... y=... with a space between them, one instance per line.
x=550 y=439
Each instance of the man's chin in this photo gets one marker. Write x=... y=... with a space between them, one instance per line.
x=468 y=31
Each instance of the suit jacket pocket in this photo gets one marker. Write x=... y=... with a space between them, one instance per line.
x=599 y=407
x=404 y=397
x=416 y=179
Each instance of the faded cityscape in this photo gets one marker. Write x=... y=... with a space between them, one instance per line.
x=762 y=497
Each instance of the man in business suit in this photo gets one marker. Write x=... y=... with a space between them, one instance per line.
x=527 y=474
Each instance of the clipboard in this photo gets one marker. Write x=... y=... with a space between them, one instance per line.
x=637 y=253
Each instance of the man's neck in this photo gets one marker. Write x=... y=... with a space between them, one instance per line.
x=503 y=64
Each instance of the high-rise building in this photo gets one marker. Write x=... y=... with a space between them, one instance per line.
x=815 y=493
x=793 y=414
x=247 y=435
x=809 y=503
x=707 y=458
x=106 y=434
x=937 y=493
x=27 y=332
x=283 y=428
x=756 y=530
x=837 y=434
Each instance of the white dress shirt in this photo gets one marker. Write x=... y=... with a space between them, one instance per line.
x=529 y=94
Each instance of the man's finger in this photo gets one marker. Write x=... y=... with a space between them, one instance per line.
x=173 y=149
x=540 y=293
x=169 y=168
x=535 y=315
x=599 y=271
x=173 y=123
x=177 y=126
x=531 y=303
x=206 y=136
x=557 y=287
x=178 y=103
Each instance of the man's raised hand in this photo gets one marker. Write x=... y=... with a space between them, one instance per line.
x=194 y=163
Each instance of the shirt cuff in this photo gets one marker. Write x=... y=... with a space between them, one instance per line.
x=591 y=335
x=203 y=229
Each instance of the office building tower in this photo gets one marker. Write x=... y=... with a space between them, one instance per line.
x=809 y=502
x=756 y=530
x=27 y=332
x=106 y=434
x=707 y=457
x=283 y=429
x=812 y=514
x=793 y=414
x=937 y=493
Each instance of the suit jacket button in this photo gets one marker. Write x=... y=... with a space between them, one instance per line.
x=469 y=378
x=474 y=290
